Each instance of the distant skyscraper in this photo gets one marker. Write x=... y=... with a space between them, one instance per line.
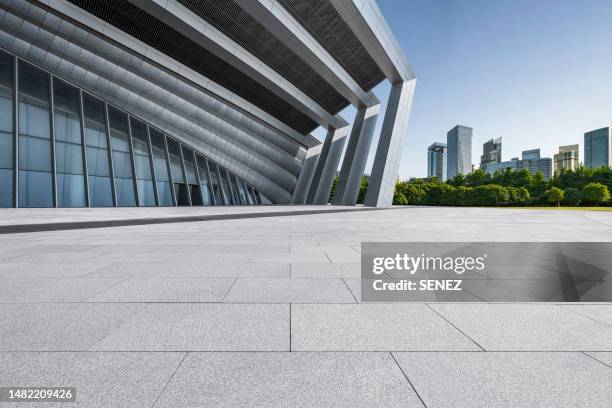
x=597 y=148
x=459 y=141
x=491 y=153
x=530 y=160
x=568 y=158
x=436 y=161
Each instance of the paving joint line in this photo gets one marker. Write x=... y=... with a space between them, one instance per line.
x=407 y=379
x=459 y=330
x=168 y=382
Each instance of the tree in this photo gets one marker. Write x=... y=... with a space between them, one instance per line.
x=333 y=190
x=363 y=189
x=554 y=195
x=399 y=198
x=595 y=193
x=573 y=196
x=413 y=192
x=491 y=195
x=518 y=195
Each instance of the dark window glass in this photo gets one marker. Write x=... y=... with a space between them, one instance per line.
x=225 y=184
x=98 y=168
x=68 y=146
x=161 y=168
x=122 y=158
x=257 y=196
x=181 y=191
x=216 y=185
x=189 y=166
x=252 y=195
x=234 y=188
x=175 y=162
x=142 y=161
x=34 y=138
x=190 y=171
x=242 y=191
x=6 y=130
x=249 y=195
x=204 y=182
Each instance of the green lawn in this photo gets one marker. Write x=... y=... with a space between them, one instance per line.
x=608 y=209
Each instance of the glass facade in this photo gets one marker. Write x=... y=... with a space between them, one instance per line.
x=35 y=159
x=7 y=148
x=122 y=158
x=96 y=142
x=70 y=175
x=597 y=148
x=216 y=184
x=160 y=164
x=207 y=197
x=142 y=163
x=75 y=150
x=459 y=153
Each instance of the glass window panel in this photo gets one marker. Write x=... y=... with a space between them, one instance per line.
x=252 y=195
x=204 y=182
x=175 y=162
x=249 y=196
x=98 y=167
x=234 y=187
x=216 y=185
x=225 y=184
x=189 y=166
x=35 y=189
x=242 y=192
x=68 y=146
x=160 y=164
x=6 y=130
x=257 y=197
x=142 y=161
x=122 y=158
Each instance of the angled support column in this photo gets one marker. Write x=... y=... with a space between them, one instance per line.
x=356 y=155
x=306 y=174
x=386 y=162
x=327 y=165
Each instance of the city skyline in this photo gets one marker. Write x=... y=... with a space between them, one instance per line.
x=597 y=153
x=519 y=70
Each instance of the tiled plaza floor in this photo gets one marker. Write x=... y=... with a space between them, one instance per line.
x=265 y=312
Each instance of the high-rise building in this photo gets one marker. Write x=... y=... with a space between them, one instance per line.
x=491 y=153
x=530 y=160
x=459 y=142
x=568 y=158
x=597 y=148
x=164 y=103
x=436 y=161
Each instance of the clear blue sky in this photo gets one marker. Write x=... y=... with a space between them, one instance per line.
x=538 y=73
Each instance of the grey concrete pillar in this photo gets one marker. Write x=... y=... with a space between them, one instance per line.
x=356 y=155
x=386 y=162
x=306 y=174
x=327 y=166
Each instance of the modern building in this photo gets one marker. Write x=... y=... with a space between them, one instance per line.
x=436 y=161
x=597 y=148
x=491 y=153
x=459 y=142
x=196 y=102
x=530 y=160
x=568 y=158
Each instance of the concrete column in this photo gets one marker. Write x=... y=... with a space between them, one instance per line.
x=306 y=174
x=386 y=162
x=356 y=155
x=327 y=165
